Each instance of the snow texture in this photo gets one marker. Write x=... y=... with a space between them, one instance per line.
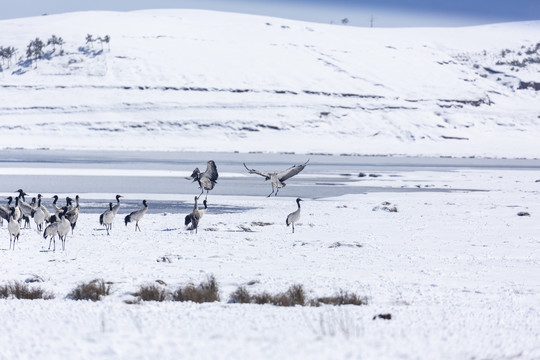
x=458 y=270
x=210 y=81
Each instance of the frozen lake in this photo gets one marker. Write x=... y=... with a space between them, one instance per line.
x=158 y=174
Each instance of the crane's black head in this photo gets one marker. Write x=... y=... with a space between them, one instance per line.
x=110 y=206
x=118 y=197
x=68 y=200
x=39 y=196
x=144 y=203
x=9 y=199
x=21 y=192
x=298 y=200
x=55 y=197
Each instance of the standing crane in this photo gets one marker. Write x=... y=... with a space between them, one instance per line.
x=107 y=218
x=294 y=216
x=136 y=216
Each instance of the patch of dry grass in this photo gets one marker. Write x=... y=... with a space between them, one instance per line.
x=206 y=292
x=20 y=290
x=93 y=290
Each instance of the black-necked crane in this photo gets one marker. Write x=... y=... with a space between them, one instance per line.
x=14 y=228
x=45 y=210
x=26 y=208
x=194 y=216
x=39 y=215
x=18 y=214
x=73 y=214
x=294 y=216
x=278 y=178
x=136 y=216
x=63 y=227
x=107 y=218
x=208 y=179
x=50 y=232
x=4 y=214
x=201 y=213
x=56 y=208
x=117 y=206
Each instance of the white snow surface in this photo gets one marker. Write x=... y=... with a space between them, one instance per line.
x=211 y=81
x=458 y=272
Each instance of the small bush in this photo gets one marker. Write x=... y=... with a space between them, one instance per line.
x=205 y=292
x=152 y=293
x=295 y=295
x=240 y=296
x=94 y=290
x=20 y=290
x=341 y=298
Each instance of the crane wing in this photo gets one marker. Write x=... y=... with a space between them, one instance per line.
x=290 y=172
x=211 y=171
x=253 y=171
x=4 y=213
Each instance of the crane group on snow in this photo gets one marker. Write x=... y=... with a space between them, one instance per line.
x=62 y=219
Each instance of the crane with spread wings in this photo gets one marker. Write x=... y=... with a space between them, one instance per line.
x=208 y=179
x=278 y=178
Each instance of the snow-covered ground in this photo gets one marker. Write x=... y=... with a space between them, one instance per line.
x=458 y=272
x=210 y=81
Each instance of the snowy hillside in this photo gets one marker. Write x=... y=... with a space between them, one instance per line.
x=200 y=80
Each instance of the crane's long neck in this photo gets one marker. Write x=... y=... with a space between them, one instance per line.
x=298 y=202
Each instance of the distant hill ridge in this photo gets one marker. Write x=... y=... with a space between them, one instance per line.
x=202 y=80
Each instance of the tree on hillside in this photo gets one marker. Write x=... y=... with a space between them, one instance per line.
x=54 y=40
x=107 y=40
x=90 y=39
x=35 y=50
x=6 y=53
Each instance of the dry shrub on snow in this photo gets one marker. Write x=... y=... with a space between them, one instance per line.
x=341 y=298
x=206 y=292
x=151 y=292
x=295 y=295
x=93 y=290
x=240 y=296
x=20 y=290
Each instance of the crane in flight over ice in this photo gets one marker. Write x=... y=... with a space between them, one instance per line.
x=278 y=178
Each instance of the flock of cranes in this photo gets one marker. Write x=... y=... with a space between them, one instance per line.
x=63 y=219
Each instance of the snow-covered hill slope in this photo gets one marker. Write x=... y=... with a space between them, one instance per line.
x=201 y=80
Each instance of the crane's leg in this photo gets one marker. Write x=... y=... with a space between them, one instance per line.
x=271 y=192
x=137 y=226
x=206 y=197
x=277 y=190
